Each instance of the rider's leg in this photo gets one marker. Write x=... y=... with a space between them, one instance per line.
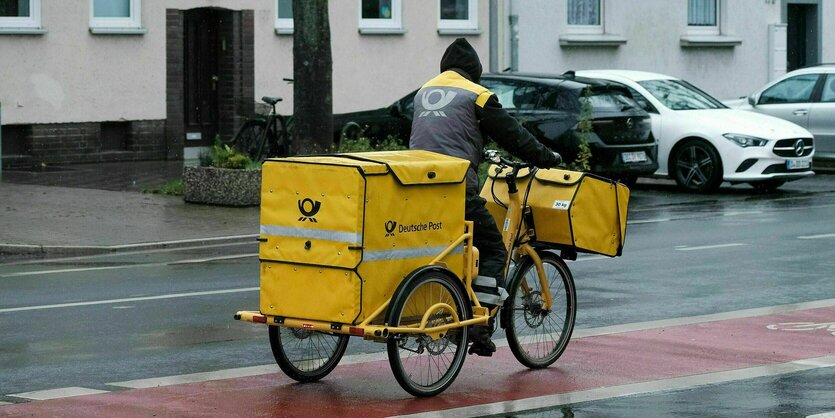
x=492 y=258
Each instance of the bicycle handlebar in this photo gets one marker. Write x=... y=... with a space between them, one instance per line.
x=494 y=157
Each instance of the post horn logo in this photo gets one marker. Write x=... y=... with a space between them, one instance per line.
x=308 y=214
x=390 y=227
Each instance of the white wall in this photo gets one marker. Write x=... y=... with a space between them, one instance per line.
x=69 y=75
x=653 y=30
x=369 y=71
x=828 y=29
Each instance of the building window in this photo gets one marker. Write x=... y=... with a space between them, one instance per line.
x=284 y=16
x=380 y=15
x=703 y=17
x=585 y=16
x=20 y=14
x=457 y=15
x=115 y=14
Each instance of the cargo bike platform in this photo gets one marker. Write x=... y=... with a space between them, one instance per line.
x=375 y=245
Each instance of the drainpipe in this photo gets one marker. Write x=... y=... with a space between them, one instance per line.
x=494 y=36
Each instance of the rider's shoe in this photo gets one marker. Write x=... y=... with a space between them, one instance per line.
x=482 y=345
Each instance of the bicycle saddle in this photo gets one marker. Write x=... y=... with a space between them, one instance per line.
x=271 y=100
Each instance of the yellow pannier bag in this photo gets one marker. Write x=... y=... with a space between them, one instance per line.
x=339 y=233
x=571 y=210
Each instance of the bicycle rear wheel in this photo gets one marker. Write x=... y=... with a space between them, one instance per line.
x=249 y=139
x=305 y=355
x=538 y=337
x=421 y=365
x=278 y=139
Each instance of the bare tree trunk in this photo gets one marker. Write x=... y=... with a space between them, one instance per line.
x=312 y=73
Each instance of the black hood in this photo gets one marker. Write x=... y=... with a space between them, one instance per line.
x=461 y=55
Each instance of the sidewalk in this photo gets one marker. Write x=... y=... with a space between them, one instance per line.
x=40 y=216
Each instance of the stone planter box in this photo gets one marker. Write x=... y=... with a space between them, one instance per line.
x=222 y=186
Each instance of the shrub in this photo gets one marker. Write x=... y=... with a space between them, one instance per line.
x=172 y=188
x=364 y=144
x=221 y=155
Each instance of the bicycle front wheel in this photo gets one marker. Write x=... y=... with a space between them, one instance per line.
x=305 y=355
x=538 y=336
x=424 y=366
x=250 y=139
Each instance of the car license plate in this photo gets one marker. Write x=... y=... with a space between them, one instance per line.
x=798 y=164
x=634 y=157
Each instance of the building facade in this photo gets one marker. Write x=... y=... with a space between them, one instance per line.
x=109 y=80
x=727 y=47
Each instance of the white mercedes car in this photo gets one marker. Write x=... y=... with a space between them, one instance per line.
x=805 y=97
x=702 y=143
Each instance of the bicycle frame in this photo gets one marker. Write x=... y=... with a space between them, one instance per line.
x=515 y=234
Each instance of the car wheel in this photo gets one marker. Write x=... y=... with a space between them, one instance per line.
x=697 y=166
x=767 y=185
x=351 y=131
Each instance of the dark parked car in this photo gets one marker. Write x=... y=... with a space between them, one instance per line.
x=549 y=106
x=377 y=124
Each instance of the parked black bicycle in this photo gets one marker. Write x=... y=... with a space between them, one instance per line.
x=264 y=136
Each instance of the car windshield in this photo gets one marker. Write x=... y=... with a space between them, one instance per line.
x=610 y=101
x=680 y=95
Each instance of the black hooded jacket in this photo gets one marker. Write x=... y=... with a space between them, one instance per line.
x=493 y=121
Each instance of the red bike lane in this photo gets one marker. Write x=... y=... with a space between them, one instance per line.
x=589 y=363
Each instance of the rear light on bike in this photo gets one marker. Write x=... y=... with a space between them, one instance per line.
x=259 y=318
x=356 y=331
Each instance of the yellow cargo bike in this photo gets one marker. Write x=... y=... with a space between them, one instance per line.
x=375 y=245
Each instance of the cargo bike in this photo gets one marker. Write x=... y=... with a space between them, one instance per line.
x=375 y=245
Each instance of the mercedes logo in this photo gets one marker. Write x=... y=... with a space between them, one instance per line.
x=798 y=148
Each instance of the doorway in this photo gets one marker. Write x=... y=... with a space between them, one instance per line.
x=201 y=55
x=210 y=75
x=803 y=34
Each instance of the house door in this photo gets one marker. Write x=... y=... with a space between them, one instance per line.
x=802 y=35
x=201 y=75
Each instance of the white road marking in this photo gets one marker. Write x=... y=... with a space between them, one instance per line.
x=751 y=212
x=816 y=236
x=109 y=301
x=198 y=377
x=648 y=221
x=124 y=253
x=589 y=258
x=823 y=415
x=128 y=266
x=5 y=403
x=500 y=342
x=236 y=372
x=676 y=383
x=208 y=259
x=709 y=247
x=41 y=395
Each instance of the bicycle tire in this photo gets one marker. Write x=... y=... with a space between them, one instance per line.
x=248 y=139
x=537 y=337
x=278 y=139
x=421 y=352
x=312 y=355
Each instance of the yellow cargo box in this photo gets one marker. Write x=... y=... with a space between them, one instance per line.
x=339 y=233
x=571 y=210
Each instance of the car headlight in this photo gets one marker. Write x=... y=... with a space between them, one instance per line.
x=746 y=140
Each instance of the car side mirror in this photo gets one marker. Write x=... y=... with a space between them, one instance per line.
x=752 y=100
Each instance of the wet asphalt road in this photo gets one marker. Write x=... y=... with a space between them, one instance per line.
x=154 y=314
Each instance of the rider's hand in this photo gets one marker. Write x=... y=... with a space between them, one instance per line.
x=556 y=159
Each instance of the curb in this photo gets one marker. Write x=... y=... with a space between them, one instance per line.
x=79 y=250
